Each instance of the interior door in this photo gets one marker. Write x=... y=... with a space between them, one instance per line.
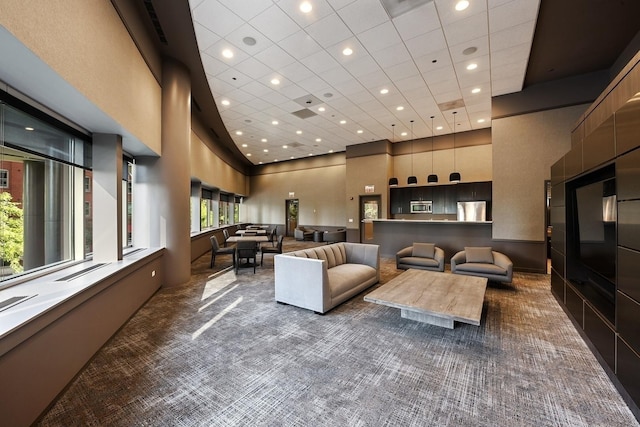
x=291 y=215
x=369 y=210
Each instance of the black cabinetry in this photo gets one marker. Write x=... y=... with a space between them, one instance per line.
x=444 y=197
x=473 y=191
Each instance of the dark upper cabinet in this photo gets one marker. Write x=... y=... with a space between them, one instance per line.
x=557 y=172
x=627 y=127
x=421 y=193
x=444 y=199
x=395 y=200
x=473 y=191
x=573 y=161
x=598 y=147
x=557 y=195
x=629 y=224
x=628 y=176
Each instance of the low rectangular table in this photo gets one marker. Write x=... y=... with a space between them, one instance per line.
x=435 y=298
x=235 y=239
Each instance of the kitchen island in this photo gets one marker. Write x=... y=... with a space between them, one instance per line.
x=452 y=236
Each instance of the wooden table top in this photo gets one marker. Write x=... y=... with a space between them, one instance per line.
x=234 y=239
x=451 y=296
x=243 y=232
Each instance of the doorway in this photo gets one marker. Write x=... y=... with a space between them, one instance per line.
x=369 y=210
x=291 y=215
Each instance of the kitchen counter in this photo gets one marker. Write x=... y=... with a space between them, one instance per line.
x=434 y=221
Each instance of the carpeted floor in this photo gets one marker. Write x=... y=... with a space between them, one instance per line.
x=219 y=351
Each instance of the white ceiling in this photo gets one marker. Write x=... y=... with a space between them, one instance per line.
x=419 y=56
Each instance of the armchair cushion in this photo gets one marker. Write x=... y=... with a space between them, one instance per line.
x=424 y=250
x=479 y=254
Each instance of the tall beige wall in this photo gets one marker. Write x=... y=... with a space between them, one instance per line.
x=361 y=172
x=318 y=184
x=524 y=148
x=212 y=171
x=69 y=36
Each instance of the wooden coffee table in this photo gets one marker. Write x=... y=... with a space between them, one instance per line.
x=436 y=298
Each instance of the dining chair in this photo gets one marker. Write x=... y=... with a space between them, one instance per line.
x=217 y=250
x=225 y=233
x=271 y=250
x=246 y=250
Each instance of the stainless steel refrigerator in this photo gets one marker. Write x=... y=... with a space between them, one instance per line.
x=472 y=211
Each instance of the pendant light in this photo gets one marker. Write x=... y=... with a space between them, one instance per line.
x=412 y=180
x=433 y=177
x=393 y=181
x=454 y=176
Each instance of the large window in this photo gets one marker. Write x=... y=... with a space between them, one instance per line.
x=42 y=206
x=4 y=178
x=207 y=210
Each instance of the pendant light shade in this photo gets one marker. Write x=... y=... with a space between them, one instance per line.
x=393 y=181
x=432 y=177
x=454 y=176
x=412 y=180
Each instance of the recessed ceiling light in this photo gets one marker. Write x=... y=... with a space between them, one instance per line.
x=347 y=51
x=439 y=128
x=480 y=120
x=275 y=81
x=299 y=132
x=266 y=150
x=472 y=66
x=227 y=53
x=285 y=146
x=264 y=140
x=275 y=122
x=360 y=130
x=244 y=145
x=238 y=132
x=462 y=5
x=476 y=90
x=311 y=154
x=343 y=122
x=399 y=108
x=384 y=91
x=331 y=151
x=292 y=157
x=29 y=128
x=318 y=139
x=225 y=102
x=403 y=134
x=321 y=109
x=248 y=154
x=305 y=7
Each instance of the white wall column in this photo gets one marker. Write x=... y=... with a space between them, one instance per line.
x=107 y=197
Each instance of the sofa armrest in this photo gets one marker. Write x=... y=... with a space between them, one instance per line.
x=363 y=253
x=459 y=258
x=501 y=260
x=302 y=282
x=439 y=256
x=402 y=253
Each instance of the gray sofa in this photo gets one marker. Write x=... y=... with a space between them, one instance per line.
x=320 y=278
x=423 y=256
x=483 y=262
x=303 y=233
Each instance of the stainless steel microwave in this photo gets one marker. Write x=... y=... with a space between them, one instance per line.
x=422 y=206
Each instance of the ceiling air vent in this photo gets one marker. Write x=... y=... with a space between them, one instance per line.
x=397 y=7
x=446 y=106
x=155 y=21
x=305 y=113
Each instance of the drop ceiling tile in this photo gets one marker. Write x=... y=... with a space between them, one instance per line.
x=293 y=91
x=320 y=62
x=362 y=15
x=253 y=68
x=435 y=61
x=329 y=31
x=215 y=50
x=237 y=39
x=442 y=87
x=439 y=74
x=402 y=71
x=380 y=37
x=448 y=96
x=238 y=96
x=295 y=72
x=256 y=89
x=275 y=98
x=314 y=85
x=425 y=44
x=216 y=17
x=230 y=115
x=300 y=45
x=470 y=28
x=204 y=36
x=220 y=87
x=292 y=8
x=481 y=44
x=376 y=79
x=247 y=9
x=419 y=21
x=361 y=66
x=478 y=77
x=483 y=63
x=349 y=88
x=513 y=13
x=513 y=36
x=211 y=65
x=244 y=110
x=275 y=57
x=448 y=13
x=507 y=56
x=275 y=24
x=391 y=56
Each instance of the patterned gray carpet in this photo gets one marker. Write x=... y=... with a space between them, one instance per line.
x=220 y=352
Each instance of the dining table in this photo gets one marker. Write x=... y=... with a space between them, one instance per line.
x=258 y=239
x=258 y=231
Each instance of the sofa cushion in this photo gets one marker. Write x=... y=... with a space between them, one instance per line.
x=343 y=278
x=481 y=267
x=418 y=261
x=479 y=254
x=424 y=250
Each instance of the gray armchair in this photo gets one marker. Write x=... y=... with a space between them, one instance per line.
x=423 y=256
x=339 y=235
x=303 y=233
x=483 y=262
